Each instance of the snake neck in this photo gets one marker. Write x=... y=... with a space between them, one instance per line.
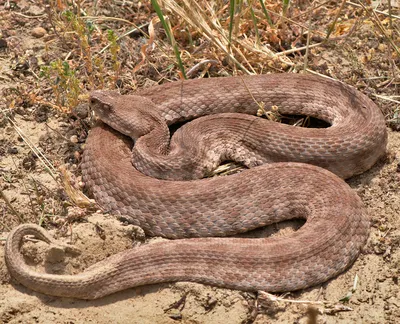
x=155 y=143
x=150 y=153
x=155 y=156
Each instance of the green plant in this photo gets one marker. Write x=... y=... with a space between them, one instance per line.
x=285 y=6
x=114 y=50
x=266 y=14
x=167 y=27
x=83 y=31
x=255 y=21
x=66 y=85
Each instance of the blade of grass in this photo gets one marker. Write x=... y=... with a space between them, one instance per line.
x=285 y=6
x=239 y=12
x=191 y=13
x=266 y=14
x=170 y=35
x=254 y=18
x=231 y=19
x=332 y=26
x=295 y=22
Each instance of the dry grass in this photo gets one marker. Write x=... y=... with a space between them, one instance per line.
x=233 y=37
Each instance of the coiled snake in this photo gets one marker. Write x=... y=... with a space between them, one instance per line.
x=336 y=225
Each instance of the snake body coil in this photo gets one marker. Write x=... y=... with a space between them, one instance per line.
x=336 y=225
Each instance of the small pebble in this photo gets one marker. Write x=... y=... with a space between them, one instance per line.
x=36 y=10
x=74 y=139
x=81 y=111
x=3 y=43
x=12 y=150
x=211 y=303
x=29 y=163
x=38 y=32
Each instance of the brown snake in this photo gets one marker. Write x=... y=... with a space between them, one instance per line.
x=336 y=225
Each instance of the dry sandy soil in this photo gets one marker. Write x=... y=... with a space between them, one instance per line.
x=36 y=197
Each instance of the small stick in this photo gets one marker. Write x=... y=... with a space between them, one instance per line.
x=390 y=14
x=308 y=40
x=379 y=12
x=386 y=98
x=196 y=67
x=275 y=298
x=36 y=150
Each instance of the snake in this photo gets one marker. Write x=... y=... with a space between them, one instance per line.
x=137 y=166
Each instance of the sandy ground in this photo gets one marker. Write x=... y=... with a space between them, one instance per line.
x=36 y=196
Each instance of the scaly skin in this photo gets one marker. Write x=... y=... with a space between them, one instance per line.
x=354 y=142
x=336 y=225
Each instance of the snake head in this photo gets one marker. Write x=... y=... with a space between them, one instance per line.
x=102 y=102
x=131 y=115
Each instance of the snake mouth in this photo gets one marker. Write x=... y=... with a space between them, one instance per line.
x=95 y=116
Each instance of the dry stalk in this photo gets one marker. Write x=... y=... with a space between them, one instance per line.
x=207 y=23
x=197 y=19
x=10 y=206
x=77 y=196
x=377 y=11
x=388 y=98
x=326 y=307
x=308 y=40
x=199 y=65
x=48 y=166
